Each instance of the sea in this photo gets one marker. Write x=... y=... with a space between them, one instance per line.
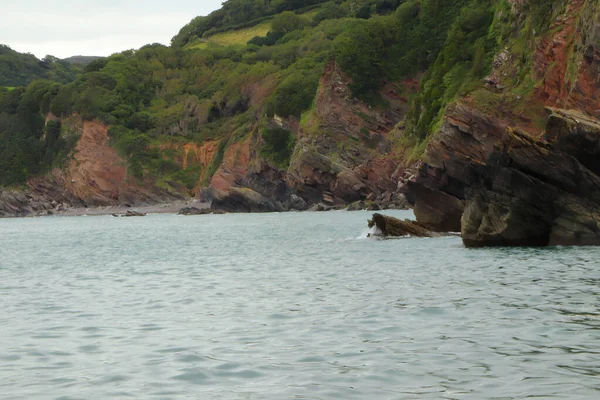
x=288 y=306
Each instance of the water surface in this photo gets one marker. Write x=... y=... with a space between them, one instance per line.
x=288 y=306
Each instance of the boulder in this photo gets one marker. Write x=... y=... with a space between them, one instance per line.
x=296 y=203
x=194 y=211
x=243 y=200
x=320 y=207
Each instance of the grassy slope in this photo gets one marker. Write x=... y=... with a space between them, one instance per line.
x=239 y=37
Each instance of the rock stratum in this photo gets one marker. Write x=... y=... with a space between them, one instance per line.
x=500 y=180
x=509 y=188
x=512 y=159
x=342 y=162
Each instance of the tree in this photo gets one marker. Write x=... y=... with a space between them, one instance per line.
x=360 y=51
x=287 y=22
x=330 y=10
x=294 y=95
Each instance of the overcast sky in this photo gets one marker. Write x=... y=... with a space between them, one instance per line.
x=65 y=28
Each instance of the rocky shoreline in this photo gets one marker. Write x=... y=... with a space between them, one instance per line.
x=25 y=203
x=500 y=186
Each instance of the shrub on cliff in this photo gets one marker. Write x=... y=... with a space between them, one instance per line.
x=278 y=146
x=294 y=95
x=464 y=59
x=360 y=51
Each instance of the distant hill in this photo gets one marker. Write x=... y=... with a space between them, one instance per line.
x=81 y=60
x=20 y=69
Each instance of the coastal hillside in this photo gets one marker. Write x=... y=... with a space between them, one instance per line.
x=19 y=69
x=265 y=106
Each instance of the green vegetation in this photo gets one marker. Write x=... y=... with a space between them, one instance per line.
x=28 y=148
x=216 y=162
x=225 y=72
x=235 y=37
x=465 y=58
x=237 y=14
x=18 y=69
x=279 y=146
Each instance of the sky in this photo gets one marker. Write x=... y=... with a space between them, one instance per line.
x=65 y=28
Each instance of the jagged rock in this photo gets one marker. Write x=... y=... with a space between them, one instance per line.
x=437 y=191
x=243 y=200
x=393 y=227
x=297 y=203
x=538 y=192
x=321 y=207
x=502 y=187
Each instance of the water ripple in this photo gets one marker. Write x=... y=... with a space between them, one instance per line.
x=288 y=306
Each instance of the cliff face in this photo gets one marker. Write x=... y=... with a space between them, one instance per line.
x=568 y=60
x=344 y=148
x=343 y=154
x=503 y=166
x=538 y=191
x=502 y=179
x=95 y=175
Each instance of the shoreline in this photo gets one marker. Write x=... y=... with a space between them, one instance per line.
x=162 y=208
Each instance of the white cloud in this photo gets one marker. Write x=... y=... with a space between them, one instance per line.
x=76 y=28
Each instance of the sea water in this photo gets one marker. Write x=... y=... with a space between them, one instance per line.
x=288 y=306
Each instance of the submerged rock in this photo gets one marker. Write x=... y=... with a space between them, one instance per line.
x=393 y=227
x=132 y=213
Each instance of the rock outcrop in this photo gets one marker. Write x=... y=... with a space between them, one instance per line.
x=502 y=187
x=343 y=149
x=41 y=197
x=437 y=190
x=243 y=200
x=522 y=170
x=195 y=211
x=393 y=227
x=131 y=213
x=538 y=192
x=95 y=175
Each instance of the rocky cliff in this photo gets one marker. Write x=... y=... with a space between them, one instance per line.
x=522 y=169
x=94 y=175
x=343 y=154
x=510 y=159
